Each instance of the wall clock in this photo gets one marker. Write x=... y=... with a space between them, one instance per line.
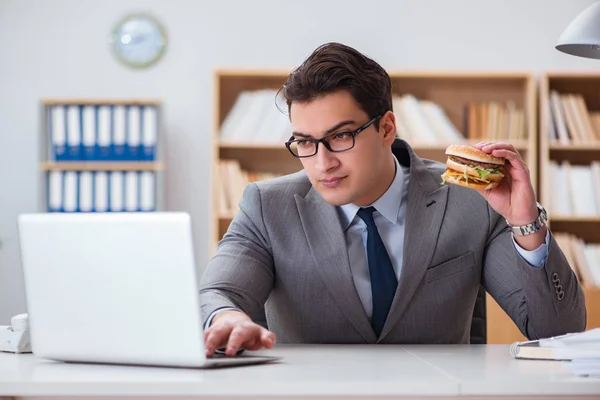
x=138 y=40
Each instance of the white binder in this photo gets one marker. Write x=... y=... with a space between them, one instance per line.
x=88 y=135
x=104 y=130
x=147 y=191
x=150 y=133
x=74 y=133
x=101 y=191
x=119 y=133
x=134 y=133
x=86 y=189
x=116 y=191
x=131 y=191
x=58 y=132
x=71 y=183
x=55 y=191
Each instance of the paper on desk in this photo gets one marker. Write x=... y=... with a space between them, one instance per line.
x=590 y=337
x=577 y=346
x=585 y=367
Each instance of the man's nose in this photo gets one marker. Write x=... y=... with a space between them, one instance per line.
x=325 y=159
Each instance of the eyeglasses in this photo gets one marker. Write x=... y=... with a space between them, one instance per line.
x=336 y=142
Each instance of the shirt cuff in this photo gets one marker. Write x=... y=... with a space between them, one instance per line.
x=212 y=315
x=537 y=257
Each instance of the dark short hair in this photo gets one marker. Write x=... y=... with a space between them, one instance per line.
x=333 y=67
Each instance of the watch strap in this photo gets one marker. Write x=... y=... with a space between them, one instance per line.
x=540 y=221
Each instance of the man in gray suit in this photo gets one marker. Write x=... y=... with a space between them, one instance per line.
x=366 y=245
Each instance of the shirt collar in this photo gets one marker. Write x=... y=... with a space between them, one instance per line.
x=388 y=204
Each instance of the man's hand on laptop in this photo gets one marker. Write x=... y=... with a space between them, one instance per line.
x=234 y=330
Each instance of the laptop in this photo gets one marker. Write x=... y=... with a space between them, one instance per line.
x=115 y=288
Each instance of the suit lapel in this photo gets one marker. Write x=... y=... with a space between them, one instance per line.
x=325 y=238
x=422 y=227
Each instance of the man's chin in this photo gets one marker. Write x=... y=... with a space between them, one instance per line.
x=334 y=197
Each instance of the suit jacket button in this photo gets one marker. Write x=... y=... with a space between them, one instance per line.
x=555 y=277
x=557 y=283
x=560 y=295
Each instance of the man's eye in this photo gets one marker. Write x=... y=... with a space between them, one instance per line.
x=342 y=135
x=303 y=142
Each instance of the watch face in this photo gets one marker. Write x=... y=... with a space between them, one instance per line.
x=139 y=40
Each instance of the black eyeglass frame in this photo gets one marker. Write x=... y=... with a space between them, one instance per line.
x=324 y=139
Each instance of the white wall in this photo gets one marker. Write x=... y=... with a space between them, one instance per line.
x=58 y=49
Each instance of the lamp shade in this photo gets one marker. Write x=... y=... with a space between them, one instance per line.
x=582 y=36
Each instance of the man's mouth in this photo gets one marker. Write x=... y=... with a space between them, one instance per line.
x=332 y=182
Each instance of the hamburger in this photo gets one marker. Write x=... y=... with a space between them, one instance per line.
x=470 y=167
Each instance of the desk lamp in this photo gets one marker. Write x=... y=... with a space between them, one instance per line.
x=582 y=36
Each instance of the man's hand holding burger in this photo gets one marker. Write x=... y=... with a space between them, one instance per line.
x=512 y=196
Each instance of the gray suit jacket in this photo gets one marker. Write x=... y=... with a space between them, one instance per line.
x=285 y=250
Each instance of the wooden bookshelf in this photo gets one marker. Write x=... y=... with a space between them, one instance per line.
x=453 y=91
x=263 y=157
x=581 y=150
x=576 y=152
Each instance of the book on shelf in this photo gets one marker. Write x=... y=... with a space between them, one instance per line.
x=575 y=189
x=493 y=120
x=584 y=258
x=570 y=121
x=255 y=118
x=232 y=181
x=423 y=122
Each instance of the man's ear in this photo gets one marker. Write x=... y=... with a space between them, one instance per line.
x=387 y=127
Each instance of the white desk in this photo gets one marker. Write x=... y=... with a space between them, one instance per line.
x=311 y=371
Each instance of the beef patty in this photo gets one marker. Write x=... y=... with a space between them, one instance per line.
x=475 y=163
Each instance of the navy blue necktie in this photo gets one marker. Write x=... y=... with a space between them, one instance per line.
x=383 y=277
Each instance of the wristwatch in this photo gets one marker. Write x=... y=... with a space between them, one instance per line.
x=533 y=227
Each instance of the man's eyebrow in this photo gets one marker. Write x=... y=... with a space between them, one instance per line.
x=304 y=135
x=330 y=130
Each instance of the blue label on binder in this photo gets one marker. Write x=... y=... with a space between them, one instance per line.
x=149 y=153
x=134 y=153
x=60 y=153
x=119 y=152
